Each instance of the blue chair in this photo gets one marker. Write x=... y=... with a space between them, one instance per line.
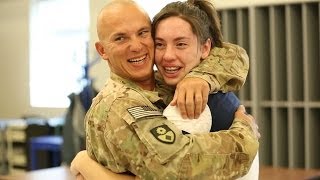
x=48 y=143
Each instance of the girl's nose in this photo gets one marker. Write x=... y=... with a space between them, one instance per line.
x=169 y=53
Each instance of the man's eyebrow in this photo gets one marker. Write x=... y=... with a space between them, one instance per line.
x=145 y=28
x=123 y=33
x=118 y=34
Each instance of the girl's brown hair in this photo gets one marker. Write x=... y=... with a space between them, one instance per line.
x=200 y=14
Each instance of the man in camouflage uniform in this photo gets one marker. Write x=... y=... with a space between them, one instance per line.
x=125 y=129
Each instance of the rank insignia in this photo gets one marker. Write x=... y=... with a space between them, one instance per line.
x=163 y=134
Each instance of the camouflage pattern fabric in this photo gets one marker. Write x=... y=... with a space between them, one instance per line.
x=224 y=69
x=125 y=131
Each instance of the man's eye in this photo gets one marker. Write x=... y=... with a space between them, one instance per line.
x=144 y=33
x=119 y=39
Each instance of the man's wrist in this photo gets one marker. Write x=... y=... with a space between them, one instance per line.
x=214 y=85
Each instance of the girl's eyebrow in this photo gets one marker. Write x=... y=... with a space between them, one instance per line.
x=181 y=38
x=175 y=39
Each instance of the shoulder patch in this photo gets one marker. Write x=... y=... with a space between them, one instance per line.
x=143 y=111
x=164 y=134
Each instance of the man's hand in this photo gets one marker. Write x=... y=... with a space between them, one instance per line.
x=80 y=177
x=243 y=115
x=191 y=97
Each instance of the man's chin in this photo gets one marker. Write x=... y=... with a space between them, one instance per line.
x=144 y=76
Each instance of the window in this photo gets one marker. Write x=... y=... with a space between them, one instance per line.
x=59 y=32
x=58 y=46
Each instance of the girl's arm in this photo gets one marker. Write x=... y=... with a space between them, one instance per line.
x=83 y=165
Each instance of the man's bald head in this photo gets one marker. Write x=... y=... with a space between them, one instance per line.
x=115 y=8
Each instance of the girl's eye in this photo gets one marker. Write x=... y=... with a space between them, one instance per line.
x=159 y=45
x=181 y=45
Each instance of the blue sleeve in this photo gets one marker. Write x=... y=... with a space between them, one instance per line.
x=222 y=107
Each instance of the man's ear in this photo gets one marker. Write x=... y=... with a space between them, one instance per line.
x=205 y=48
x=101 y=50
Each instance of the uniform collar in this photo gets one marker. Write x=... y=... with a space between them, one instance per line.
x=153 y=96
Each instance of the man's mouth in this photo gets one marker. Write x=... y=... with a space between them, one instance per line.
x=138 y=60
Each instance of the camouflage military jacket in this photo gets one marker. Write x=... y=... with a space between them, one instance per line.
x=224 y=69
x=125 y=131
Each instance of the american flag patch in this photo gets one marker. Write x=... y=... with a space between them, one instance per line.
x=143 y=111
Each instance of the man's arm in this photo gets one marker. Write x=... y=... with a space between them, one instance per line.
x=225 y=69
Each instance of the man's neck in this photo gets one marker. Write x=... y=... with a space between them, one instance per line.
x=147 y=84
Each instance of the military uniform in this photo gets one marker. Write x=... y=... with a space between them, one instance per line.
x=225 y=68
x=126 y=131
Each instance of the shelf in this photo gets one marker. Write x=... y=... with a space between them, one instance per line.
x=282 y=90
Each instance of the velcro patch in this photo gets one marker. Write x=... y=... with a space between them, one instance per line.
x=163 y=134
x=143 y=111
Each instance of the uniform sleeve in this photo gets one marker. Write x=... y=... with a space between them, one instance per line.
x=165 y=92
x=224 y=69
x=137 y=138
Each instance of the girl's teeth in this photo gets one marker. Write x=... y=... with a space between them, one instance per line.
x=171 y=69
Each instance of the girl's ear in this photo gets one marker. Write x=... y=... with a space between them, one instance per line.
x=205 y=48
x=101 y=50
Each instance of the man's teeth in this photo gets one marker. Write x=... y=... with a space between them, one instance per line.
x=138 y=59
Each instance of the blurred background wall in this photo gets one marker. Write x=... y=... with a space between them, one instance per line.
x=282 y=90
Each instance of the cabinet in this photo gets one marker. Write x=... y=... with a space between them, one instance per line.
x=16 y=146
x=14 y=143
x=3 y=150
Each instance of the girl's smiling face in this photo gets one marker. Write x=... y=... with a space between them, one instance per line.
x=177 y=49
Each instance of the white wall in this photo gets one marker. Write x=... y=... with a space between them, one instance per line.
x=14 y=88
x=231 y=4
x=14 y=55
x=99 y=72
x=14 y=63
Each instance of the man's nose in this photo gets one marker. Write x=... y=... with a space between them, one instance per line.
x=135 y=44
